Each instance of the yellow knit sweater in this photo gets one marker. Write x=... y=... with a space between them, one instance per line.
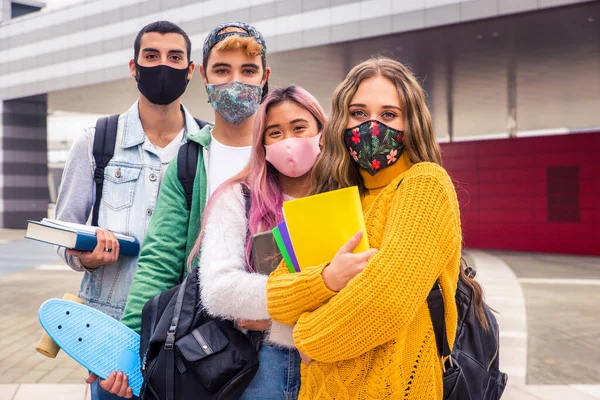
x=374 y=338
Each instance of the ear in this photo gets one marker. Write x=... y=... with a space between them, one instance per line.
x=132 y=69
x=203 y=73
x=266 y=75
x=191 y=69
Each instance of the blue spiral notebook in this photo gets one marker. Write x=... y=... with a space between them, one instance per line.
x=75 y=236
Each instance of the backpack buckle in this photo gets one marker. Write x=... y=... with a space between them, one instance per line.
x=99 y=175
x=470 y=272
x=170 y=341
x=449 y=359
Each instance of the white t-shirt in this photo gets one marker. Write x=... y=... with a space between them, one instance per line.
x=224 y=162
x=167 y=154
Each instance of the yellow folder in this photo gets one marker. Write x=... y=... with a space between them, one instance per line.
x=319 y=225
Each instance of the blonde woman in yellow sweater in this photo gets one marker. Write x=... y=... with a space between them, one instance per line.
x=361 y=321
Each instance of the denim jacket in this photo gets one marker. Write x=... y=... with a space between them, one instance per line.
x=131 y=184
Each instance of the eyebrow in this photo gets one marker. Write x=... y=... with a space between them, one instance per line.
x=291 y=122
x=298 y=120
x=250 y=65
x=385 y=106
x=151 y=50
x=217 y=65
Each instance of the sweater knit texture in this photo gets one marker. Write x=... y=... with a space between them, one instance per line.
x=374 y=339
x=227 y=289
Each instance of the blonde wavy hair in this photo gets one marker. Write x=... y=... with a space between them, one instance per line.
x=335 y=168
x=248 y=45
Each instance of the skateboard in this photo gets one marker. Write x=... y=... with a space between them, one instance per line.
x=93 y=339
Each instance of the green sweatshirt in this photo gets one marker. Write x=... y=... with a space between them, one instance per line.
x=172 y=232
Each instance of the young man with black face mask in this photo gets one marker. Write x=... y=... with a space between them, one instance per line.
x=148 y=137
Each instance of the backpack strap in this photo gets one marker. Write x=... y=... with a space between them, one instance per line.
x=170 y=344
x=435 y=301
x=187 y=163
x=201 y=124
x=105 y=137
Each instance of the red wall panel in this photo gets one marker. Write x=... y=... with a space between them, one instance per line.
x=502 y=187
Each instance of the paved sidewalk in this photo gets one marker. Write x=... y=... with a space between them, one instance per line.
x=21 y=294
x=504 y=294
x=562 y=295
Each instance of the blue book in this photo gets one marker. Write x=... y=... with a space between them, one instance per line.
x=76 y=236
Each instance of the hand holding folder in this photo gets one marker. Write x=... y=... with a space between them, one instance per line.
x=316 y=227
x=346 y=265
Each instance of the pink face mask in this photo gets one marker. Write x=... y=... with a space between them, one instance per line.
x=294 y=157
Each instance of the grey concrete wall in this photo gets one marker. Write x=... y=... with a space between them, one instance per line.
x=23 y=161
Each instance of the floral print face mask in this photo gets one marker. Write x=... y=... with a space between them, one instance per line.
x=374 y=145
x=234 y=101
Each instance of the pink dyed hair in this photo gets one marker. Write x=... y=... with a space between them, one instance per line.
x=259 y=176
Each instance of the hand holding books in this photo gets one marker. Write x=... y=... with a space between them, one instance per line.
x=93 y=246
x=346 y=265
x=106 y=251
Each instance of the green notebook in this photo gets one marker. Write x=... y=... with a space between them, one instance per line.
x=283 y=250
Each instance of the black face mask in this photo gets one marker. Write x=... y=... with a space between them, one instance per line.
x=161 y=84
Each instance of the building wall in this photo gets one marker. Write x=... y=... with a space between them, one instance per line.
x=88 y=43
x=535 y=194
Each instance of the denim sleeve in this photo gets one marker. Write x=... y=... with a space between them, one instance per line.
x=76 y=194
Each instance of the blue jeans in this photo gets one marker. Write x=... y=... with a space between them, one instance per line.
x=278 y=376
x=97 y=393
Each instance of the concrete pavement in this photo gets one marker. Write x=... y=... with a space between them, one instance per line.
x=504 y=293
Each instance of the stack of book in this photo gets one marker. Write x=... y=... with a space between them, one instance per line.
x=76 y=236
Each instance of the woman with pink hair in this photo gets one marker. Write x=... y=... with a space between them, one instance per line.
x=286 y=144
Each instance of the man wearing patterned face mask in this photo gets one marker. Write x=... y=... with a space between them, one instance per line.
x=235 y=74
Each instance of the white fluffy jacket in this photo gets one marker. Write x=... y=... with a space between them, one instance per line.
x=228 y=290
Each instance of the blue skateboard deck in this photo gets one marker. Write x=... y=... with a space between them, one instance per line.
x=93 y=339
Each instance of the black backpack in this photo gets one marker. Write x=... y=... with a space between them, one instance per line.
x=472 y=370
x=188 y=354
x=104 y=149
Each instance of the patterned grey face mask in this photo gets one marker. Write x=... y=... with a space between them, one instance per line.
x=234 y=101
